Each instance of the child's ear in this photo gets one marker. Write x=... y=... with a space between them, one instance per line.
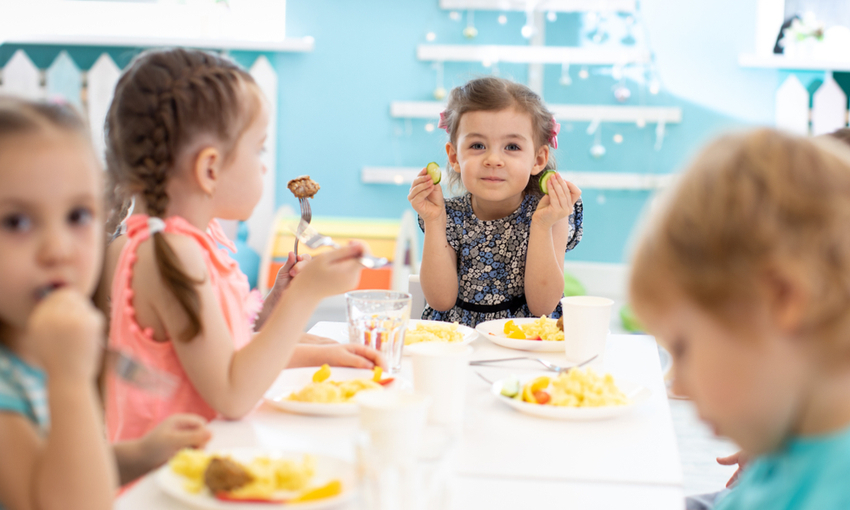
x=207 y=169
x=451 y=152
x=540 y=159
x=788 y=298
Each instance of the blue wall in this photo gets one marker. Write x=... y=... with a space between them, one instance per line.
x=334 y=102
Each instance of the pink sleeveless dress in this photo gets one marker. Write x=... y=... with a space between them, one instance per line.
x=130 y=411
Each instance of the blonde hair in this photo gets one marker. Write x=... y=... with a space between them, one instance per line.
x=752 y=203
x=496 y=94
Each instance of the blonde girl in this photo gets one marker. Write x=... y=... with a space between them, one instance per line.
x=744 y=274
x=497 y=250
x=51 y=238
x=185 y=135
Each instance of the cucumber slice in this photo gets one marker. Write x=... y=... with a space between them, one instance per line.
x=433 y=170
x=511 y=387
x=544 y=180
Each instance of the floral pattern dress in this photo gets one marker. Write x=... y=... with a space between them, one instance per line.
x=491 y=261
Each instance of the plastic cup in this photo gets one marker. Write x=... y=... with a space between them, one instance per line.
x=393 y=422
x=440 y=371
x=378 y=318
x=586 y=325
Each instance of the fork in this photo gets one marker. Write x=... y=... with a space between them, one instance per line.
x=549 y=366
x=306 y=216
x=313 y=239
x=136 y=373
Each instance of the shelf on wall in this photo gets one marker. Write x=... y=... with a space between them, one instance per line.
x=585 y=180
x=563 y=112
x=289 y=44
x=542 y=5
x=531 y=54
x=777 y=61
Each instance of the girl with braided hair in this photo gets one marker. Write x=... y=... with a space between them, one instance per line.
x=185 y=135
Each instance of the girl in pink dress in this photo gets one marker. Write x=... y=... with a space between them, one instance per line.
x=186 y=132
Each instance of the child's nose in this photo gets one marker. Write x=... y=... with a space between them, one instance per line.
x=56 y=245
x=493 y=159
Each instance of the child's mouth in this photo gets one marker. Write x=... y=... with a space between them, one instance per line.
x=44 y=290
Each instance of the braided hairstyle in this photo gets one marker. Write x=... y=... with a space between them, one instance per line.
x=163 y=102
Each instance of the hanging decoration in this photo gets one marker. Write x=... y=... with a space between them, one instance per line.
x=552 y=16
x=565 y=79
x=583 y=73
x=470 y=32
x=659 y=134
x=597 y=150
x=528 y=29
x=502 y=19
x=439 y=90
x=454 y=16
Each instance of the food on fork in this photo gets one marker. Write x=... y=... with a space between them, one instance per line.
x=324 y=391
x=541 y=329
x=433 y=332
x=303 y=187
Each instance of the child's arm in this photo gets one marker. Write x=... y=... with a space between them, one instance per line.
x=547 y=242
x=138 y=457
x=72 y=468
x=232 y=382
x=439 y=260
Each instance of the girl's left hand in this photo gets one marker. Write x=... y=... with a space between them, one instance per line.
x=289 y=270
x=338 y=355
x=174 y=433
x=558 y=204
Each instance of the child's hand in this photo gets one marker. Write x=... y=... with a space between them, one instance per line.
x=558 y=204
x=426 y=198
x=338 y=355
x=332 y=273
x=288 y=271
x=174 y=433
x=65 y=334
x=741 y=459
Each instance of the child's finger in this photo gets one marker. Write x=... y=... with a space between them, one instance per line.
x=370 y=354
x=558 y=192
x=575 y=192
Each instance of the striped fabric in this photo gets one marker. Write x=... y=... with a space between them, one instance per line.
x=23 y=390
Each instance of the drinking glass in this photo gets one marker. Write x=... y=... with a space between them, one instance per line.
x=378 y=318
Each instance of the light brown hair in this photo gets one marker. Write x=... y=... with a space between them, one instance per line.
x=496 y=94
x=163 y=102
x=750 y=204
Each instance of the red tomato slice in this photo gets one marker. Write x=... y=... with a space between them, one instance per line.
x=223 y=496
x=541 y=397
x=388 y=380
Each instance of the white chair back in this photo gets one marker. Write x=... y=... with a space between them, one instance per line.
x=417 y=297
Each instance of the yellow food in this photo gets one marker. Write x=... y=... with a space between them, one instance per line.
x=541 y=329
x=439 y=332
x=329 y=490
x=270 y=474
x=577 y=388
x=325 y=391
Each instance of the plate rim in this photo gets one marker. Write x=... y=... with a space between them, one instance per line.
x=525 y=345
x=469 y=337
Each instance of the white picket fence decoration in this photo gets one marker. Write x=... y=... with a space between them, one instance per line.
x=828 y=112
x=91 y=92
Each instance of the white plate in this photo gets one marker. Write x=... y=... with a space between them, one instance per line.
x=636 y=394
x=293 y=379
x=469 y=334
x=495 y=332
x=327 y=469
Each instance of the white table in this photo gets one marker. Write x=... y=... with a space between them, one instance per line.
x=506 y=460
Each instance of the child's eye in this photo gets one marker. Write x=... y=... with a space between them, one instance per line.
x=477 y=146
x=512 y=147
x=80 y=216
x=16 y=223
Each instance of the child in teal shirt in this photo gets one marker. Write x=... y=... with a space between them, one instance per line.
x=744 y=275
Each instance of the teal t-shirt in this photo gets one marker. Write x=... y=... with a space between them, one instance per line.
x=23 y=390
x=810 y=473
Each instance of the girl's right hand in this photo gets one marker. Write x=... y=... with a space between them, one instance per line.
x=426 y=198
x=65 y=332
x=333 y=272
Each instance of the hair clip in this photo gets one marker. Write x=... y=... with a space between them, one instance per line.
x=443 y=124
x=556 y=128
x=155 y=225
